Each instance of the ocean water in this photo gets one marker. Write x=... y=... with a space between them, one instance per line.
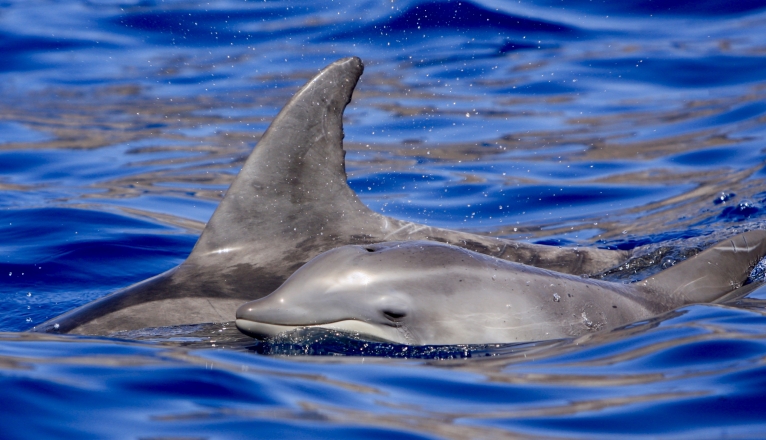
x=634 y=125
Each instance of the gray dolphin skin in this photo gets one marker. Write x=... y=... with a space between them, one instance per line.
x=426 y=293
x=289 y=203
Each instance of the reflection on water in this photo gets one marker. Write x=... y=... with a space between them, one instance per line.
x=698 y=360
x=637 y=126
x=557 y=182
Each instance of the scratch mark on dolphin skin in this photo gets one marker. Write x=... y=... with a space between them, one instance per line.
x=412 y=229
x=223 y=250
x=221 y=315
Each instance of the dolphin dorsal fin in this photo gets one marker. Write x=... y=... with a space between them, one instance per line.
x=294 y=182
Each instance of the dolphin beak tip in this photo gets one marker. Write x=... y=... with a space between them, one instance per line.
x=243 y=310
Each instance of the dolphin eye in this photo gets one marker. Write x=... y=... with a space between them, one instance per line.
x=394 y=315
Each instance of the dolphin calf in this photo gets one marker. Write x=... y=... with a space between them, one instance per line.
x=427 y=293
x=289 y=203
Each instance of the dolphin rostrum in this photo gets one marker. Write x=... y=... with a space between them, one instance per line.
x=427 y=293
x=289 y=203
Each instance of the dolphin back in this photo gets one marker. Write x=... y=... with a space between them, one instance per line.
x=716 y=273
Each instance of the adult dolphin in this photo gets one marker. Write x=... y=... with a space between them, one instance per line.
x=289 y=203
x=426 y=293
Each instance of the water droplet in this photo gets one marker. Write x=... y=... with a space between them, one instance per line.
x=56 y=326
x=723 y=198
x=29 y=319
x=556 y=297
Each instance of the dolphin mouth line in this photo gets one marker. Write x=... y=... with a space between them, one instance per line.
x=263 y=330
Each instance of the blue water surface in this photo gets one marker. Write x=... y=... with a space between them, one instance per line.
x=635 y=125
